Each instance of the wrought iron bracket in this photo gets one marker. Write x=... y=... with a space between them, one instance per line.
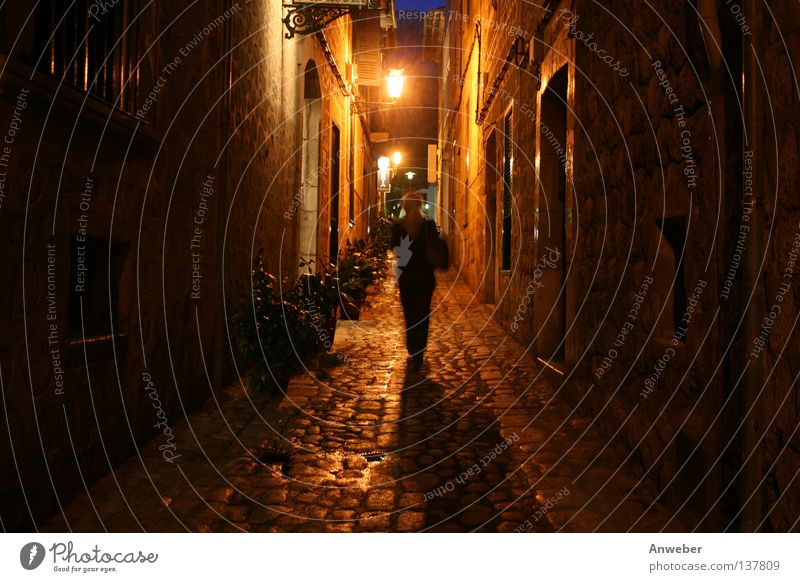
x=305 y=19
x=362 y=107
x=521 y=51
x=308 y=18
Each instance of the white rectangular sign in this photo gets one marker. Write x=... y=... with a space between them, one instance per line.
x=384 y=184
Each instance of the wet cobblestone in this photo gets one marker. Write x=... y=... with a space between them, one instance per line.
x=476 y=441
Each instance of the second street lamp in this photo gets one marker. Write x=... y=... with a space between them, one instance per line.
x=394 y=84
x=394 y=89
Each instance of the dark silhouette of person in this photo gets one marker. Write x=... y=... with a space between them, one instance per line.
x=416 y=279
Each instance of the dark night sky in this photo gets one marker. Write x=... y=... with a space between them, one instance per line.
x=418 y=4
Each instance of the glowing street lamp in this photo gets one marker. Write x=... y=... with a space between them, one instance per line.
x=394 y=89
x=410 y=175
x=397 y=157
x=394 y=83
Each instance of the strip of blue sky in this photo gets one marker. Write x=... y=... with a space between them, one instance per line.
x=418 y=4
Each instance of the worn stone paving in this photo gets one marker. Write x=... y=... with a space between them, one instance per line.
x=476 y=441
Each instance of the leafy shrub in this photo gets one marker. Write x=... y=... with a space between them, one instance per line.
x=279 y=333
x=274 y=333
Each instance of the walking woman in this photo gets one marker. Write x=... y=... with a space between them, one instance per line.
x=419 y=249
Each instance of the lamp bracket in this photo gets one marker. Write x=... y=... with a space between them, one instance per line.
x=359 y=106
x=304 y=18
x=520 y=50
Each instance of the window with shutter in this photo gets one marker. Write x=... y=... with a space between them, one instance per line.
x=367 y=53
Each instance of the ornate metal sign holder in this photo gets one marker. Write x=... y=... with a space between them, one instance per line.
x=309 y=17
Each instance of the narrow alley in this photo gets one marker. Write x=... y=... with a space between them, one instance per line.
x=478 y=443
x=201 y=330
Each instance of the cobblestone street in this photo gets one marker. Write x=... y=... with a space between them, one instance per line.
x=477 y=441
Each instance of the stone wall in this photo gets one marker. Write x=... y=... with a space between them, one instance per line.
x=646 y=156
x=189 y=185
x=199 y=180
x=654 y=340
x=775 y=167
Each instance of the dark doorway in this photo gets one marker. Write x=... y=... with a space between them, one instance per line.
x=551 y=305
x=673 y=229
x=334 y=230
x=508 y=160
x=490 y=224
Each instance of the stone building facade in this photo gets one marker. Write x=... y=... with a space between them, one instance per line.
x=618 y=181
x=143 y=169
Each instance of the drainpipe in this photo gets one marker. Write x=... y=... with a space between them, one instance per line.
x=351 y=167
x=712 y=38
x=751 y=513
x=718 y=87
x=479 y=96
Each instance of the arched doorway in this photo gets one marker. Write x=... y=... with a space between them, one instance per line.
x=551 y=305
x=309 y=209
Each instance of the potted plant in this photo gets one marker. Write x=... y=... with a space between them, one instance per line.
x=359 y=266
x=318 y=292
x=352 y=291
x=381 y=237
x=273 y=332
